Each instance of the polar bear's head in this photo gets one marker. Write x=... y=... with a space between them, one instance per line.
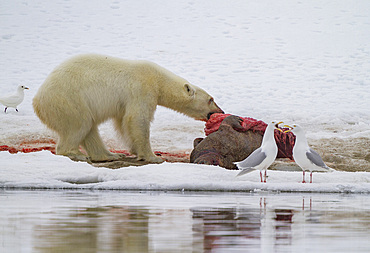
x=178 y=94
x=198 y=104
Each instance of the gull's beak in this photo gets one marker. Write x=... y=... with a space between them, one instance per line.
x=290 y=128
x=26 y=88
x=277 y=126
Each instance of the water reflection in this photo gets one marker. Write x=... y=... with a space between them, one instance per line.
x=101 y=229
x=283 y=227
x=184 y=223
x=225 y=228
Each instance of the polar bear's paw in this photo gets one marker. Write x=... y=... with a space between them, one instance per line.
x=108 y=158
x=79 y=157
x=151 y=159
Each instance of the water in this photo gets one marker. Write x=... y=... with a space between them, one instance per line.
x=118 y=221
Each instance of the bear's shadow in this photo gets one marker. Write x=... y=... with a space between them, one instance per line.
x=127 y=161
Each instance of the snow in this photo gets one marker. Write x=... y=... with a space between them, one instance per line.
x=44 y=170
x=305 y=62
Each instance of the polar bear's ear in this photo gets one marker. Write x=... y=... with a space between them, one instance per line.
x=189 y=90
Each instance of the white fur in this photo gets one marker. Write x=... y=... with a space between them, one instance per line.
x=89 y=89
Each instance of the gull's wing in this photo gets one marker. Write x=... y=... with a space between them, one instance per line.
x=11 y=99
x=315 y=158
x=252 y=160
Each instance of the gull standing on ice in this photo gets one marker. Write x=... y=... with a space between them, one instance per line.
x=14 y=100
x=304 y=156
x=264 y=156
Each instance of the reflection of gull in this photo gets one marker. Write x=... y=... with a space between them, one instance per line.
x=304 y=156
x=14 y=100
x=264 y=156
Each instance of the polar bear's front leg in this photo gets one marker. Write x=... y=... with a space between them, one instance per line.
x=95 y=148
x=137 y=129
x=68 y=145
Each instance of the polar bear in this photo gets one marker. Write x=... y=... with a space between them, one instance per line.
x=87 y=90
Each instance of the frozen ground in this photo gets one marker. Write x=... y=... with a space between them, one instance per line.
x=299 y=61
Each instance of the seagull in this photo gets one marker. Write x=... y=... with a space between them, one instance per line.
x=304 y=156
x=14 y=100
x=264 y=156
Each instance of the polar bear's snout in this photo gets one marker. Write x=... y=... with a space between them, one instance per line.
x=214 y=108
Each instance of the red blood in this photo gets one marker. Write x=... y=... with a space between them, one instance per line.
x=11 y=150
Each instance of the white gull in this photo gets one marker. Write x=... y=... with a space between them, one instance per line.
x=264 y=156
x=14 y=100
x=304 y=156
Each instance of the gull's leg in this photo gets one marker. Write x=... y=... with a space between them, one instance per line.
x=261 y=176
x=265 y=176
x=303 y=181
x=311 y=177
